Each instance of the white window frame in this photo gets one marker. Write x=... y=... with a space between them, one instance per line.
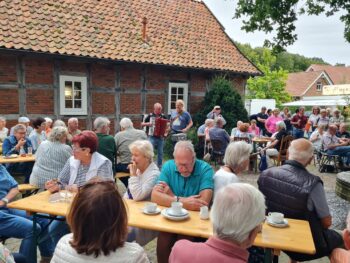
x=177 y=85
x=319 y=86
x=72 y=111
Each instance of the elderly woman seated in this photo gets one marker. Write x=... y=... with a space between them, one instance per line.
x=243 y=132
x=85 y=164
x=99 y=223
x=38 y=135
x=143 y=176
x=340 y=255
x=236 y=160
x=51 y=157
x=237 y=215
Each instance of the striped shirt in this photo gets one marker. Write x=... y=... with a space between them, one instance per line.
x=50 y=160
x=104 y=171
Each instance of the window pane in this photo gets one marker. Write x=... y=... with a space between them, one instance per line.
x=173 y=106
x=77 y=104
x=77 y=86
x=180 y=91
x=68 y=104
x=173 y=91
x=77 y=94
x=180 y=97
x=173 y=98
x=68 y=90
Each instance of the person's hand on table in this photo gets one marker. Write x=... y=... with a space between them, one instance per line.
x=2 y=203
x=72 y=188
x=193 y=203
x=164 y=188
x=52 y=186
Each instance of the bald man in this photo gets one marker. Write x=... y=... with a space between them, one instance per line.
x=293 y=191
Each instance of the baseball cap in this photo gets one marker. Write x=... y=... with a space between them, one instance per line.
x=217 y=107
x=23 y=119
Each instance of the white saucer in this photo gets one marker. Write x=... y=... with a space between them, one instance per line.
x=280 y=225
x=11 y=156
x=151 y=213
x=175 y=218
x=183 y=212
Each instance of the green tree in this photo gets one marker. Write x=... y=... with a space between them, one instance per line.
x=272 y=84
x=280 y=16
x=223 y=93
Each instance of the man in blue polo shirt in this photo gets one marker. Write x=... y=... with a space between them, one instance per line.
x=184 y=179
x=15 y=223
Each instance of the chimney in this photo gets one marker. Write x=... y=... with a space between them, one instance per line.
x=144 y=27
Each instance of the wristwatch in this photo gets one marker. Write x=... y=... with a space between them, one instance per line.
x=5 y=200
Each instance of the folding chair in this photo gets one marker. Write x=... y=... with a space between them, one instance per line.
x=282 y=153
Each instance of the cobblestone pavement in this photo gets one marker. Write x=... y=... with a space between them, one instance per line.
x=339 y=209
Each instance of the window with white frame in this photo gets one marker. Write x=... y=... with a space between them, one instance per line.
x=177 y=91
x=319 y=86
x=73 y=95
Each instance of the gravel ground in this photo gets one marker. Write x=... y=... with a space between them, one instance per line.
x=339 y=209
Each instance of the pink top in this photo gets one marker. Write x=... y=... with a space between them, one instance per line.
x=214 y=250
x=255 y=132
x=270 y=123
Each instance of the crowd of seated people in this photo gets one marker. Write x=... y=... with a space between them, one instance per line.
x=85 y=162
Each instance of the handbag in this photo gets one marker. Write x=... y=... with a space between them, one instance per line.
x=263 y=162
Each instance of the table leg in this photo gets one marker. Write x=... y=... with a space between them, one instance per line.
x=35 y=236
x=268 y=255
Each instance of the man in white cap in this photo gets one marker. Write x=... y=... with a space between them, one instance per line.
x=25 y=121
x=215 y=113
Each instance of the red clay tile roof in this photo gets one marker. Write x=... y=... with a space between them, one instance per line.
x=180 y=32
x=338 y=74
x=298 y=82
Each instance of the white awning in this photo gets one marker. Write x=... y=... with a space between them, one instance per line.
x=340 y=102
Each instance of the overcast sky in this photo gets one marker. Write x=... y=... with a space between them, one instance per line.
x=318 y=36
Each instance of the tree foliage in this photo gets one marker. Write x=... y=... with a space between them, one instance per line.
x=223 y=93
x=272 y=84
x=287 y=61
x=281 y=15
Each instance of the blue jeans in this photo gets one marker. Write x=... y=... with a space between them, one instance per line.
x=15 y=223
x=58 y=229
x=158 y=143
x=342 y=151
x=298 y=133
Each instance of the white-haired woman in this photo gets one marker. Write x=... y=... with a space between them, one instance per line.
x=48 y=125
x=143 y=171
x=51 y=157
x=236 y=160
x=143 y=176
x=237 y=215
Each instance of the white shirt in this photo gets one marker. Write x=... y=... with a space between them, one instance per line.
x=223 y=178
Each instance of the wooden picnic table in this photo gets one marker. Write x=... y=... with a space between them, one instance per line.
x=121 y=174
x=27 y=187
x=18 y=159
x=296 y=237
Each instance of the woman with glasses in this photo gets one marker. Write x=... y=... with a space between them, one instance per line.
x=91 y=239
x=85 y=164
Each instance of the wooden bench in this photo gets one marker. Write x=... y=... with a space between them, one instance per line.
x=121 y=174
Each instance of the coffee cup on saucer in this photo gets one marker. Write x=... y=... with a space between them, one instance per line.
x=276 y=217
x=176 y=208
x=150 y=207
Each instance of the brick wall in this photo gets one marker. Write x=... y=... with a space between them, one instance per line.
x=103 y=75
x=9 y=101
x=38 y=71
x=40 y=101
x=151 y=99
x=313 y=91
x=102 y=103
x=130 y=77
x=8 y=70
x=130 y=104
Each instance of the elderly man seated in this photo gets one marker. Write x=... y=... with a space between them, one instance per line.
x=336 y=146
x=273 y=148
x=18 y=144
x=123 y=139
x=218 y=133
x=184 y=179
x=237 y=215
x=293 y=191
x=15 y=223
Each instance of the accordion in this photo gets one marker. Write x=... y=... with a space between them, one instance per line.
x=160 y=127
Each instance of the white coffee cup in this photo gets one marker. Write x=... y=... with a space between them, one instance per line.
x=176 y=208
x=276 y=217
x=150 y=207
x=204 y=212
